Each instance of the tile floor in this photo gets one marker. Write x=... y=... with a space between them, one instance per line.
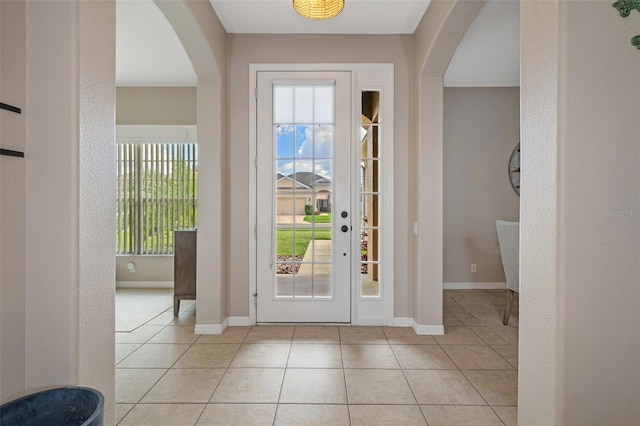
x=322 y=375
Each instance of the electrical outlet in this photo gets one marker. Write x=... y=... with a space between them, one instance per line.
x=474 y=267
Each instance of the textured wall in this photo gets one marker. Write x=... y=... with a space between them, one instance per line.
x=12 y=200
x=70 y=191
x=538 y=389
x=52 y=244
x=600 y=216
x=97 y=187
x=580 y=295
x=204 y=39
x=436 y=39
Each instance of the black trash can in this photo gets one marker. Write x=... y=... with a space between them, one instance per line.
x=68 y=406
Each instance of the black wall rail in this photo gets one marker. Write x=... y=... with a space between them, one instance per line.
x=9 y=152
x=10 y=108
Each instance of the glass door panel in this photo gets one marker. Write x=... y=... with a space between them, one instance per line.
x=370 y=196
x=304 y=164
x=309 y=154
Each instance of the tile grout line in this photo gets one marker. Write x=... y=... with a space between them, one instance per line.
x=344 y=376
x=460 y=370
x=206 y=404
x=284 y=375
x=170 y=324
x=465 y=376
x=406 y=379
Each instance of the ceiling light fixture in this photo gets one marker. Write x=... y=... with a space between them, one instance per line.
x=318 y=10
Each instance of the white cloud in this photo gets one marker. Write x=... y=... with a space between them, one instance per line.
x=284 y=129
x=323 y=148
x=323 y=141
x=320 y=167
x=286 y=168
x=323 y=168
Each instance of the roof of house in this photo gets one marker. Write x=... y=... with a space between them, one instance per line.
x=309 y=178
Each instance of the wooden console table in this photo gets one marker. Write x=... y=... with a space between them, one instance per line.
x=184 y=267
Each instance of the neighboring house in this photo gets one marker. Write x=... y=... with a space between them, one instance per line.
x=302 y=188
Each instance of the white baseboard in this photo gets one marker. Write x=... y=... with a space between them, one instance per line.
x=239 y=321
x=475 y=286
x=428 y=330
x=403 y=322
x=144 y=284
x=211 y=328
x=219 y=328
x=436 y=330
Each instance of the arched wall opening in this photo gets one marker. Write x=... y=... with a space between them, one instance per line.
x=204 y=40
x=436 y=40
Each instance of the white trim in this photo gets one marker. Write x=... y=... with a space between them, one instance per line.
x=253 y=193
x=211 y=328
x=388 y=277
x=156 y=134
x=144 y=284
x=403 y=322
x=321 y=67
x=239 y=321
x=377 y=77
x=388 y=180
x=428 y=330
x=475 y=286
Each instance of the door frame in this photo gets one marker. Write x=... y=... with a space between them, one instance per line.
x=336 y=306
x=375 y=76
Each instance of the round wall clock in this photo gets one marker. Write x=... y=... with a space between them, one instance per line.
x=514 y=169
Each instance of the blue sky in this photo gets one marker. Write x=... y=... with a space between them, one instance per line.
x=295 y=146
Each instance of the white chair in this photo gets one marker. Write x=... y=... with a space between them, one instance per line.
x=509 y=240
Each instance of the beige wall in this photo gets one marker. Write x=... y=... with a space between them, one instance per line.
x=246 y=49
x=204 y=40
x=436 y=39
x=59 y=285
x=12 y=201
x=96 y=183
x=159 y=106
x=481 y=129
x=149 y=270
x=579 y=289
x=156 y=105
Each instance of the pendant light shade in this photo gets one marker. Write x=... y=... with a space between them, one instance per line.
x=318 y=9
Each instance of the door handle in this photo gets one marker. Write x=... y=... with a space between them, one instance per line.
x=344 y=228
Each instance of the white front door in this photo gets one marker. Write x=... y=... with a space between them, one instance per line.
x=304 y=211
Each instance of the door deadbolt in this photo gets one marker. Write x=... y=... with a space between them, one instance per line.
x=344 y=214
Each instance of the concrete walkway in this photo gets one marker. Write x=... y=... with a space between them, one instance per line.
x=313 y=277
x=287 y=221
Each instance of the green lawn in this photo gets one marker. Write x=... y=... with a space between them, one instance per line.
x=285 y=246
x=318 y=218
